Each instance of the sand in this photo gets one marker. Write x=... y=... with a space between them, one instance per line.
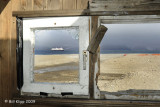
x=117 y=71
x=131 y=71
x=56 y=68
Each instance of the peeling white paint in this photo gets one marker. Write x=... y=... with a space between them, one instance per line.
x=29 y=24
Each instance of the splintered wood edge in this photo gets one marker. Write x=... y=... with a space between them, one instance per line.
x=97 y=38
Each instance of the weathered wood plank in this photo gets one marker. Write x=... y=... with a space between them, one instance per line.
x=24 y=5
x=129 y=19
x=84 y=102
x=94 y=26
x=81 y=13
x=1 y=99
x=82 y=4
x=50 y=13
x=13 y=57
x=39 y=4
x=16 y=5
x=29 y=5
x=125 y=5
x=6 y=16
x=123 y=13
x=97 y=36
x=54 y=4
x=69 y=4
x=96 y=39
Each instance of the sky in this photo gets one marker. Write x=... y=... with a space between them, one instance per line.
x=119 y=37
x=56 y=38
x=133 y=37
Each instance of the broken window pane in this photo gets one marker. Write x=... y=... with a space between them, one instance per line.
x=56 y=56
x=130 y=58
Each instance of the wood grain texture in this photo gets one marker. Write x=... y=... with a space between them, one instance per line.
x=13 y=56
x=54 y=4
x=1 y=99
x=124 y=5
x=94 y=26
x=16 y=5
x=39 y=4
x=96 y=39
x=69 y=4
x=53 y=102
x=82 y=4
x=29 y=5
x=49 y=13
x=25 y=5
x=6 y=16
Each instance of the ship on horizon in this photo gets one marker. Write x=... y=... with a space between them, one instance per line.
x=57 y=49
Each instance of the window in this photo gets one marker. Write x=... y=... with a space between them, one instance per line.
x=53 y=56
x=56 y=57
x=130 y=58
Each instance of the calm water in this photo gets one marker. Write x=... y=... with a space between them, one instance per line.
x=50 y=52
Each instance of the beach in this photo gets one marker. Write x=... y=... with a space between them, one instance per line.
x=56 y=68
x=129 y=71
x=117 y=71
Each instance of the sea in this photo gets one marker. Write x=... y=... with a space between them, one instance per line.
x=51 y=52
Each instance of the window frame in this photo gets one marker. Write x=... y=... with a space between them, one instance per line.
x=55 y=89
x=130 y=19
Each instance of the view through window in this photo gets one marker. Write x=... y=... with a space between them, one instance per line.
x=130 y=57
x=56 y=56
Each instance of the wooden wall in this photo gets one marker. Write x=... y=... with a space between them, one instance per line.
x=8 y=28
x=27 y=5
x=8 y=37
x=125 y=5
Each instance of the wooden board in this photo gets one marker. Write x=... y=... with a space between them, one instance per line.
x=50 y=13
x=69 y=4
x=13 y=57
x=96 y=39
x=54 y=4
x=124 y=5
x=25 y=5
x=39 y=4
x=82 y=4
x=1 y=100
x=94 y=25
x=52 y=102
x=6 y=16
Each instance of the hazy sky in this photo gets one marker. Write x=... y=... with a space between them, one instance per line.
x=47 y=39
x=132 y=37
x=118 y=37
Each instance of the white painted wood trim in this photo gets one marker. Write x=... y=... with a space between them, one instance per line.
x=29 y=24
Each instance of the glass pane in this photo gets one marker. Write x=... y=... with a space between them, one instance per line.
x=56 y=56
x=130 y=58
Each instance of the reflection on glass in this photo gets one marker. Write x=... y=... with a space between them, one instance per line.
x=56 y=55
x=130 y=58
